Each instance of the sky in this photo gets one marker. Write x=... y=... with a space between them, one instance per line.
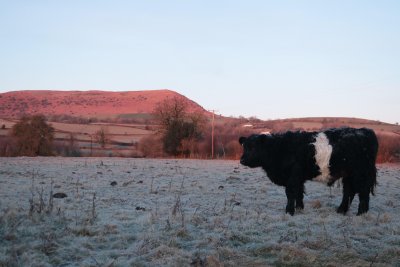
x=269 y=59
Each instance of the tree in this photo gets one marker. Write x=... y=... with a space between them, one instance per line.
x=34 y=137
x=101 y=137
x=180 y=130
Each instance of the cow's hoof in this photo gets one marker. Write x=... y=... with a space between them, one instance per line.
x=300 y=206
x=290 y=211
x=361 y=212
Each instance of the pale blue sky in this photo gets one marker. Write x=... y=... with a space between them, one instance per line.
x=270 y=59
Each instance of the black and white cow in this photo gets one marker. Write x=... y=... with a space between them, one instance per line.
x=292 y=158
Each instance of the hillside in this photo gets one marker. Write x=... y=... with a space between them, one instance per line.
x=99 y=104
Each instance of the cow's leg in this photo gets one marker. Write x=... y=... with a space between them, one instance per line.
x=348 y=195
x=299 y=197
x=364 y=202
x=366 y=186
x=291 y=196
x=294 y=190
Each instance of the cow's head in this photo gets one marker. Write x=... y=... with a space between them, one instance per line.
x=254 y=150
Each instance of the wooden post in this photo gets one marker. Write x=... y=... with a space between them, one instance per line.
x=212 y=137
x=212 y=133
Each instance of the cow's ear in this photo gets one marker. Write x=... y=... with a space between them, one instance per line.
x=242 y=140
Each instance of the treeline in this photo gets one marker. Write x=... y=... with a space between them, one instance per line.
x=226 y=145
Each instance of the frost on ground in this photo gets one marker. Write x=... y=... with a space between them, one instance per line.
x=182 y=213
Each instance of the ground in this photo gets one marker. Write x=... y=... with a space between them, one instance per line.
x=182 y=213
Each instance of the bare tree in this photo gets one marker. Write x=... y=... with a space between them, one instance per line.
x=170 y=110
x=179 y=129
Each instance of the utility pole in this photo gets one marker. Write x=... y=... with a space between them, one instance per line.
x=212 y=133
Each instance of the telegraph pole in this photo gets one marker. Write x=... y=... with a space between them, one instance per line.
x=212 y=133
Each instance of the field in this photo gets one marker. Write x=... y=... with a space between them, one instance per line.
x=182 y=213
x=121 y=138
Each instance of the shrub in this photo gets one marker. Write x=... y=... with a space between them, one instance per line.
x=7 y=146
x=33 y=136
x=151 y=146
x=389 y=147
x=101 y=137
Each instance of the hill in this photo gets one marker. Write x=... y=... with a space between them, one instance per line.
x=97 y=104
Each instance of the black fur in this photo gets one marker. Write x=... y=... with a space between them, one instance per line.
x=289 y=161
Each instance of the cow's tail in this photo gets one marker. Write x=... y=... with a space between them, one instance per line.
x=373 y=151
x=374 y=182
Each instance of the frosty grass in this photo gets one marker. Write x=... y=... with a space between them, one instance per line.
x=182 y=213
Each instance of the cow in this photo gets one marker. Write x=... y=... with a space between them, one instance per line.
x=292 y=158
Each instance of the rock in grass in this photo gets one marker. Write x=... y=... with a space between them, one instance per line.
x=198 y=262
x=60 y=195
x=113 y=183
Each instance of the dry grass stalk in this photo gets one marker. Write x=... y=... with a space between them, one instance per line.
x=94 y=215
x=178 y=206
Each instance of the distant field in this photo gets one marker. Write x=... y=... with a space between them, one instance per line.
x=184 y=213
x=84 y=136
x=93 y=128
x=7 y=123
